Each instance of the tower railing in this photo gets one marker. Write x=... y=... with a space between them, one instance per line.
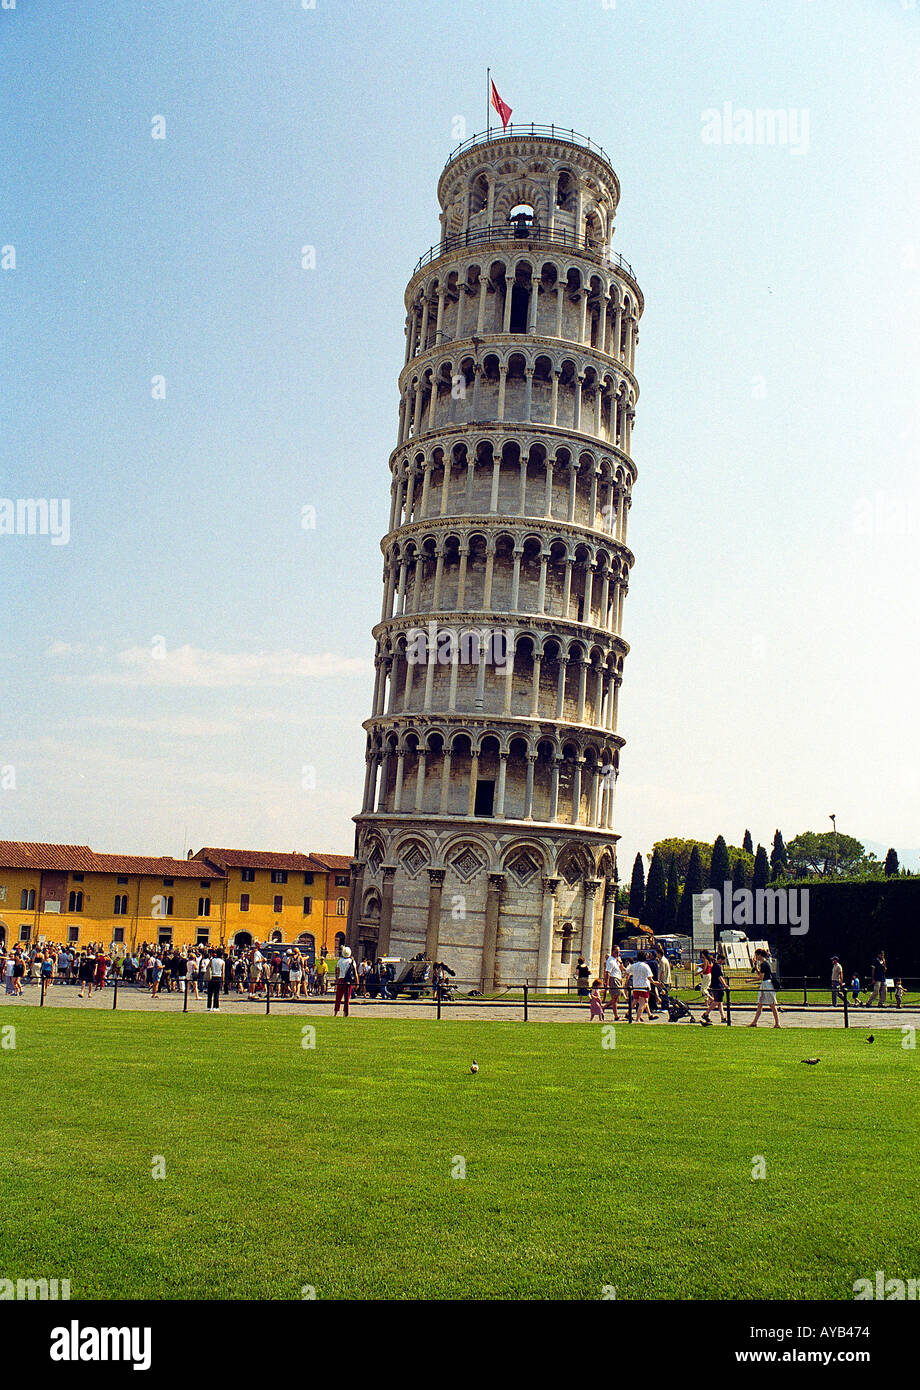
x=532 y=235
x=554 y=132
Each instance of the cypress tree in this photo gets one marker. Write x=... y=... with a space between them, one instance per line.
x=692 y=884
x=779 y=859
x=673 y=896
x=747 y=844
x=738 y=875
x=761 y=869
x=720 y=869
x=891 y=863
x=655 y=895
x=637 y=889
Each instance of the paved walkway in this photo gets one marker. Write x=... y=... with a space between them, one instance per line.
x=139 y=1000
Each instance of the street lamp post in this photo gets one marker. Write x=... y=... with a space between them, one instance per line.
x=833 y=819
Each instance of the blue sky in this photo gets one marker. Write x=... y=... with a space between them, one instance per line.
x=170 y=672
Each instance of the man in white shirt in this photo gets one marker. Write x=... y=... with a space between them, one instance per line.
x=345 y=977
x=214 y=972
x=613 y=977
x=640 y=978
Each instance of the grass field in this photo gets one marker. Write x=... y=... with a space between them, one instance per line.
x=331 y=1166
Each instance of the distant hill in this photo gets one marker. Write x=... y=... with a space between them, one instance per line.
x=907 y=858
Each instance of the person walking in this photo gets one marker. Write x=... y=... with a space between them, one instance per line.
x=767 y=992
x=717 y=987
x=215 y=975
x=345 y=979
x=837 y=985
x=582 y=975
x=879 y=976
x=640 y=979
x=613 y=978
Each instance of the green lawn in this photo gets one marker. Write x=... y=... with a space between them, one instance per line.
x=331 y=1167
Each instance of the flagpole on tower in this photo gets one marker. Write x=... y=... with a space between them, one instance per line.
x=488 y=100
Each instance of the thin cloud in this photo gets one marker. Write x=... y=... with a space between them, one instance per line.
x=190 y=667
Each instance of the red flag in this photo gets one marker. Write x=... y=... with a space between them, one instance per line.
x=502 y=107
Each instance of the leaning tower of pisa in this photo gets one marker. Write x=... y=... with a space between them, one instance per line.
x=486 y=834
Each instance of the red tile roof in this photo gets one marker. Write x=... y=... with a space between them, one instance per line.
x=340 y=863
x=261 y=859
x=19 y=854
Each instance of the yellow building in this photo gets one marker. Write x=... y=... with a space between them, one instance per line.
x=300 y=898
x=69 y=894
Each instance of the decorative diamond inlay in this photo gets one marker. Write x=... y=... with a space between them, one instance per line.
x=571 y=873
x=414 y=859
x=466 y=863
x=523 y=867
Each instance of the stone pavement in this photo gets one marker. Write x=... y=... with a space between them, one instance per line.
x=139 y=1000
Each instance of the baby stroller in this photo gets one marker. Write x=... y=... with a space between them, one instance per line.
x=677 y=1010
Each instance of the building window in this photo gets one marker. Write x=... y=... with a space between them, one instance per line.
x=279 y=903
x=122 y=878
x=244 y=902
x=339 y=942
x=340 y=907
x=27 y=899
x=25 y=932
x=73 y=933
x=485 y=797
x=76 y=878
x=279 y=876
x=202 y=936
x=168 y=882
x=248 y=875
x=307 y=906
x=167 y=903
x=341 y=880
x=204 y=907
x=118 y=934
x=164 y=936
x=568 y=931
x=205 y=883
x=308 y=880
x=75 y=902
x=121 y=904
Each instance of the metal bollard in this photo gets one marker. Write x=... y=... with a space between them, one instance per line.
x=728 y=1004
x=268 y=997
x=42 y=1000
x=115 y=993
x=525 y=1001
x=846 y=1011
x=628 y=1002
x=185 y=1000
x=438 y=994
x=804 y=989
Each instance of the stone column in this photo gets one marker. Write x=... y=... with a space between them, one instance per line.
x=433 y=925
x=560 y=686
x=554 y=403
x=386 y=910
x=445 y=782
x=582 y=688
x=474 y=773
x=535 y=686
x=355 y=894
x=573 y=481
x=567 y=586
x=547 y=918
x=554 y=791
x=400 y=765
x=522 y=497
x=509 y=295
x=541 y=591
x=548 y=493
x=461 y=580
x=480 y=321
x=589 y=890
x=500 y=790
x=420 y=783
x=528 y=793
x=445 y=485
x=489 y=979
x=528 y=393
x=561 y=286
x=490 y=569
x=496 y=476
x=502 y=379
x=579 y=383
x=576 y=791
x=515 y=579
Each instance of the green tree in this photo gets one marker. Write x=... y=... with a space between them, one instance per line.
x=779 y=857
x=637 y=889
x=655 y=894
x=673 y=896
x=761 y=869
x=822 y=854
x=693 y=883
x=891 y=863
x=747 y=844
x=720 y=867
x=738 y=874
